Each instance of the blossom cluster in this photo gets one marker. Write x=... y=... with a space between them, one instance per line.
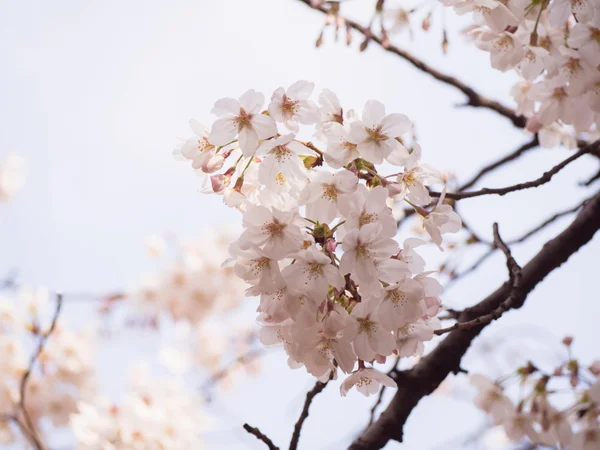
x=554 y=46
x=153 y=414
x=318 y=248
x=541 y=414
x=194 y=286
x=12 y=176
x=62 y=376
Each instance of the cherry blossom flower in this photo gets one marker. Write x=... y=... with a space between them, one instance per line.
x=415 y=177
x=341 y=149
x=410 y=337
x=560 y=10
x=277 y=232
x=401 y=304
x=362 y=249
x=442 y=219
x=491 y=399
x=492 y=13
x=368 y=206
x=282 y=169
x=376 y=134
x=292 y=107
x=242 y=118
x=367 y=382
x=324 y=192
x=313 y=273
x=372 y=338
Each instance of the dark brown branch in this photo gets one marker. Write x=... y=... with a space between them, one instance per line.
x=593 y=148
x=426 y=376
x=514 y=271
x=35 y=439
x=310 y=395
x=473 y=98
x=502 y=161
x=261 y=437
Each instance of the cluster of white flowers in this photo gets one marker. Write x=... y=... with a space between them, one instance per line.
x=63 y=374
x=318 y=245
x=536 y=415
x=194 y=286
x=12 y=176
x=554 y=45
x=154 y=415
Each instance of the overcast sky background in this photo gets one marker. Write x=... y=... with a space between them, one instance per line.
x=93 y=95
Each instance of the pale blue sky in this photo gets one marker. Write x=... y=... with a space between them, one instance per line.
x=93 y=95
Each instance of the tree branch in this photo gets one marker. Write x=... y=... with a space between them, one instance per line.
x=506 y=159
x=425 y=377
x=514 y=271
x=473 y=98
x=593 y=148
x=310 y=395
x=261 y=437
x=35 y=439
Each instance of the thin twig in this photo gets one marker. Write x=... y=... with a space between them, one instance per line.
x=473 y=98
x=310 y=395
x=393 y=369
x=36 y=441
x=593 y=148
x=514 y=271
x=261 y=437
x=502 y=161
x=547 y=222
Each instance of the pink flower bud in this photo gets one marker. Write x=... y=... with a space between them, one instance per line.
x=219 y=182
x=567 y=340
x=533 y=125
x=213 y=164
x=394 y=188
x=330 y=245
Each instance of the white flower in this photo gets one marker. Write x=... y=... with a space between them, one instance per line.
x=490 y=398
x=491 y=12
x=505 y=51
x=367 y=206
x=324 y=192
x=256 y=267
x=313 y=273
x=586 y=439
x=277 y=232
x=376 y=134
x=242 y=118
x=199 y=150
x=363 y=249
x=410 y=337
x=341 y=150
x=292 y=107
x=327 y=340
x=561 y=10
x=415 y=177
x=442 y=219
x=401 y=304
x=584 y=37
x=372 y=338
x=367 y=382
x=282 y=168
